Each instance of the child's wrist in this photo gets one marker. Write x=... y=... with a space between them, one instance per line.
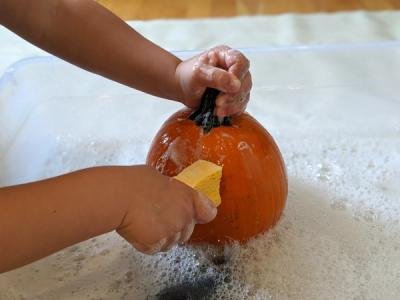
x=109 y=188
x=178 y=90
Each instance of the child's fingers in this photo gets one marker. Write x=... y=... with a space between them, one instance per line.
x=171 y=241
x=204 y=210
x=213 y=77
x=150 y=249
x=229 y=59
x=232 y=109
x=238 y=64
x=239 y=96
x=187 y=233
x=232 y=104
x=222 y=60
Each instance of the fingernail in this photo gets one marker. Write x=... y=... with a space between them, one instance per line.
x=157 y=246
x=235 y=84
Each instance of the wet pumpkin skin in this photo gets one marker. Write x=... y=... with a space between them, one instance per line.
x=254 y=182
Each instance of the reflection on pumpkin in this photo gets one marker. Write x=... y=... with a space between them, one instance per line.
x=254 y=183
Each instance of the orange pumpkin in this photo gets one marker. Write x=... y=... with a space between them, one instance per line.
x=254 y=183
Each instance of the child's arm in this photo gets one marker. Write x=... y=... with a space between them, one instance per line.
x=86 y=34
x=153 y=212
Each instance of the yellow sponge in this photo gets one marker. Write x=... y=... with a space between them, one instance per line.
x=205 y=177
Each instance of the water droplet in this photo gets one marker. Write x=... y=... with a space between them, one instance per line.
x=242 y=146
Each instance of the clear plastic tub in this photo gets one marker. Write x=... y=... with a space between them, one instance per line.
x=335 y=113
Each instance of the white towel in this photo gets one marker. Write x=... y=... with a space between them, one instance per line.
x=260 y=31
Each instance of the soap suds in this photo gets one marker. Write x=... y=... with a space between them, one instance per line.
x=338 y=237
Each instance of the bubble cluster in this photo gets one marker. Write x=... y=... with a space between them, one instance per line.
x=339 y=237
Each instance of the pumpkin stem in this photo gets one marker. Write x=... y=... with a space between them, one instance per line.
x=204 y=115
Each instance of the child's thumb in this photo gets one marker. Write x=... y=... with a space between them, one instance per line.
x=205 y=210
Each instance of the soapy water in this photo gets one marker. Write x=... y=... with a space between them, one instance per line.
x=338 y=238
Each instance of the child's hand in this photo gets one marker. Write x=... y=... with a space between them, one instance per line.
x=222 y=68
x=162 y=212
x=151 y=211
